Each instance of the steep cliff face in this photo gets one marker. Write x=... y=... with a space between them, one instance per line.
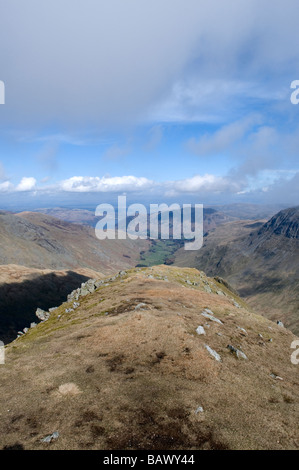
x=284 y=223
x=156 y=358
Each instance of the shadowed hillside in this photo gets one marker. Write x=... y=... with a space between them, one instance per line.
x=19 y=300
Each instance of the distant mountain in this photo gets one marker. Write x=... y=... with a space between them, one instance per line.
x=42 y=241
x=212 y=217
x=246 y=211
x=160 y=358
x=259 y=259
x=75 y=216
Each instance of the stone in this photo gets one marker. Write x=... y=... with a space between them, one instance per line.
x=200 y=330
x=140 y=306
x=236 y=351
x=51 y=437
x=279 y=323
x=42 y=314
x=84 y=291
x=209 y=314
x=242 y=329
x=199 y=410
x=213 y=353
x=276 y=377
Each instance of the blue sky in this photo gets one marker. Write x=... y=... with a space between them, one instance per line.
x=153 y=99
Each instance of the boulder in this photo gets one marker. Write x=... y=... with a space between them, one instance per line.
x=42 y=314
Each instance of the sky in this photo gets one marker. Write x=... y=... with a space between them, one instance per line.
x=174 y=100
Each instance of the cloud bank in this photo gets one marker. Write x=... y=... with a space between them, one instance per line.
x=87 y=63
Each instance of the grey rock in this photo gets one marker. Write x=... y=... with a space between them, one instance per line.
x=209 y=314
x=242 y=329
x=236 y=351
x=33 y=324
x=51 y=437
x=140 y=306
x=84 y=291
x=200 y=330
x=42 y=314
x=213 y=353
x=25 y=330
x=279 y=323
x=199 y=410
x=276 y=377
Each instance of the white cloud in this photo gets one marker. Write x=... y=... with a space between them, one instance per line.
x=208 y=183
x=105 y=184
x=26 y=184
x=111 y=62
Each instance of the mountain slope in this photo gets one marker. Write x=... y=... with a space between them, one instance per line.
x=126 y=369
x=259 y=260
x=41 y=241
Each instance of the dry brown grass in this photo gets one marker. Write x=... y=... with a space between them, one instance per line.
x=142 y=374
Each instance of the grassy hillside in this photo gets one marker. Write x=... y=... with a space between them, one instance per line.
x=127 y=369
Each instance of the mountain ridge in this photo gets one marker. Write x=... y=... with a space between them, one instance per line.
x=143 y=363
